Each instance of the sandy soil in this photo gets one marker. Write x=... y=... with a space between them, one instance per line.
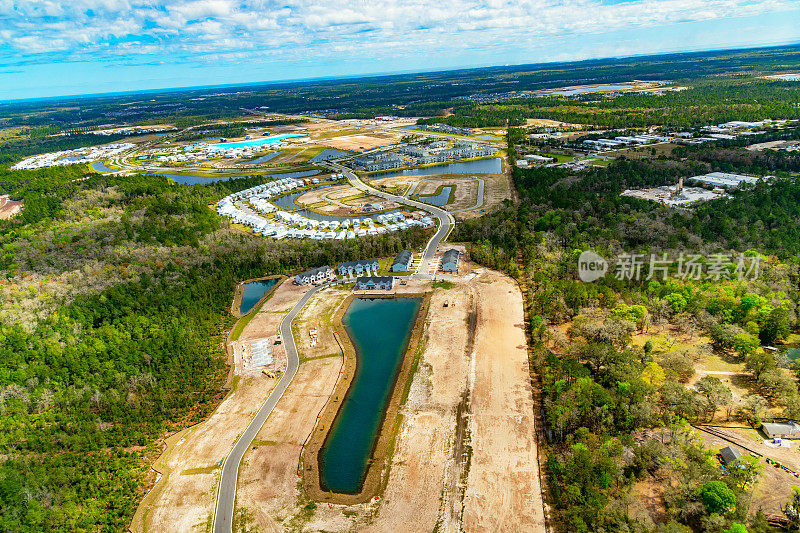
x=775 y=485
x=363 y=141
x=471 y=392
x=497 y=187
x=184 y=497
x=8 y=207
x=267 y=492
x=315 y=195
x=503 y=491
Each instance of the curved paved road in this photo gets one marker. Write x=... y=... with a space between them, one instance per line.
x=446 y=220
x=223 y=515
x=226 y=497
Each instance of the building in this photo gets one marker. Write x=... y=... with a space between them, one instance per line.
x=314 y=275
x=358 y=268
x=785 y=430
x=402 y=262
x=725 y=179
x=730 y=455
x=450 y=261
x=366 y=283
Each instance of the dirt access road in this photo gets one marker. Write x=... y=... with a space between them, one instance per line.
x=465 y=457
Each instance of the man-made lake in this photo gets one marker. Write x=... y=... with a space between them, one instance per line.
x=275 y=139
x=99 y=166
x=479 y=166
x=591 y=89
x=186 y=179
x=264 y=158
x=327 y=153
x=253 y=291
x=380 y=330
x=440 y=199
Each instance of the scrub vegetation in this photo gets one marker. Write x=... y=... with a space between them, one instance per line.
x=621 y=363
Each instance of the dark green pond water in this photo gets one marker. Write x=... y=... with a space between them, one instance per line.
x=380 y=330
x=253 y=292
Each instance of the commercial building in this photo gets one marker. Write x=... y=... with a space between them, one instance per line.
x=366 y=283
x=314 y=275
x=724 y=180
x=450 y=261
x=402 y=262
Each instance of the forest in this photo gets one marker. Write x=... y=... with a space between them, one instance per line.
x=429 y=94
x=117 y=294
x=618 y=409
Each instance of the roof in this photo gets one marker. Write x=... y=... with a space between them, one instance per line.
x=451 y=255
x=374 y=279
x=314 y=271
x=730 y=454
x=362 y=262
x=788 y=427
x=402 y=258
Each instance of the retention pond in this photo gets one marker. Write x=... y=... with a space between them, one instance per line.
x=253 y=291
x=380 y=330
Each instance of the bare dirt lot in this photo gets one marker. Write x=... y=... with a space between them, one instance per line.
x=362 y=141
x=466 y=447
x=774 y=487
x=8 y=207
x=497 y=187
x=465 y=196
x=184 y=497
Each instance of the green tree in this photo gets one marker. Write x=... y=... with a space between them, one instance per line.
x=717 y=497
x=759 y=363
x=715 y=392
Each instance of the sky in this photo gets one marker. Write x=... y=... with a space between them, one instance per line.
x=70 y=47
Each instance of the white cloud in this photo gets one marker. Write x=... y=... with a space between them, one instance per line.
x=48 y=30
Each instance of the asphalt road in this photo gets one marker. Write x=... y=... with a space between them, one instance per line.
x=479 y=203
x=223 y=515
x=446 y=220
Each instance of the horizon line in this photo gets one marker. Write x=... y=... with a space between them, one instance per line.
x=298 y=81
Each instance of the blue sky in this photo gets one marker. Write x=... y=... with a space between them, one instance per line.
x=54 y=47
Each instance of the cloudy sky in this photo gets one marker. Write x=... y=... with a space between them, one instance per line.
x=65 y=47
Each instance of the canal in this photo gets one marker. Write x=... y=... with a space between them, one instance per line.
x=253 y=291
x=380 y=330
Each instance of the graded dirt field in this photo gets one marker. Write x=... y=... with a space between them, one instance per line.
x=466 y=455
x=184 y=497
x=464 y=197
x=8 y=207
x=497 y=187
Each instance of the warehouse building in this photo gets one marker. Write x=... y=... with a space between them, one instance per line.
x=786 y=430
x=724 y=180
